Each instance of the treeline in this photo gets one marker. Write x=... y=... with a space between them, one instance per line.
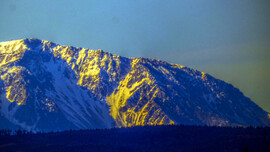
x=152 y=128
x=9 y=132
x=141 y=138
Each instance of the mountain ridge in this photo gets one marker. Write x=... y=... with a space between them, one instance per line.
x=77 y=88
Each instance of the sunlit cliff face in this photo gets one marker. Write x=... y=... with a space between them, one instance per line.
x=44 y=85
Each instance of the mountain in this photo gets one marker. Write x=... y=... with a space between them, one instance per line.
x=45 y=86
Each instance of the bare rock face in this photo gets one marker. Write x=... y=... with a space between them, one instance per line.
x=45 y=86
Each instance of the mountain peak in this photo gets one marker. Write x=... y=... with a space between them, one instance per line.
x=46 y=86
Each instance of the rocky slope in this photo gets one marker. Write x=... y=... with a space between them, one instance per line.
x=45 y=86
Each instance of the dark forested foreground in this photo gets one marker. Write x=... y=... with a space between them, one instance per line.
x=148 y=138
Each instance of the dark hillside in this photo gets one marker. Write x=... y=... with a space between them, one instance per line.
x=148 y=138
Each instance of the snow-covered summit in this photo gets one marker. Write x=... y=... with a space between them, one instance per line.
x=46 y=86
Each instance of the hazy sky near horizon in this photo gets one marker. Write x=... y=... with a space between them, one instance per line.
x=228 y=39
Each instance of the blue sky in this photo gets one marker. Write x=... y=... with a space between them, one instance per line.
x=227 y=39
